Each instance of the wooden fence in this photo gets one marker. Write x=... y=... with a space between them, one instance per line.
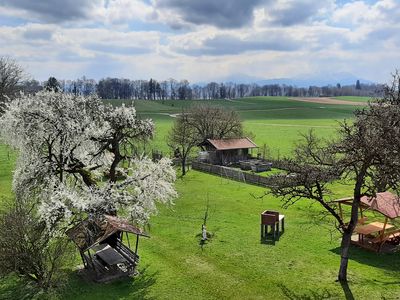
x=231 y=173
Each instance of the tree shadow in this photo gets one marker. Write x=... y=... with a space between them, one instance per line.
x=386 y=261
x=15 y=287
x=310 y=295
x=130 y=288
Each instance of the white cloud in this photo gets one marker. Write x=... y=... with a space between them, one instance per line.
x=355 y=13
x=284 y=38
x=122 y=11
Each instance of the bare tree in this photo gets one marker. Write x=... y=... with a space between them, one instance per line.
x=11 y=75
x=182 y=138
x=198 y=123
x=365 y=154
x=213 y=122
x=28 y=250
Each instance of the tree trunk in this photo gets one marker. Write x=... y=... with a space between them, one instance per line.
x=344 y=257
x=116 y=161
x=183 y=164
x=346 y=238
x=113 y=168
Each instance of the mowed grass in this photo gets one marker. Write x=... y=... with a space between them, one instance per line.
x=234 y=264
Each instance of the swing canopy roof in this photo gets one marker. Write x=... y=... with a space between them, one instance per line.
x=93 y=231
x=386 y=203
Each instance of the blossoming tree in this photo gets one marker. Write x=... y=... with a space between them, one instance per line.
x=76 y=159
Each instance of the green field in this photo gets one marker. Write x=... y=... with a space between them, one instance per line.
x=275 y=121
x=234 y=264
x=354 y=98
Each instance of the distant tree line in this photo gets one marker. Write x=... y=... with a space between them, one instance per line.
x=171 y=89
x=13 y=79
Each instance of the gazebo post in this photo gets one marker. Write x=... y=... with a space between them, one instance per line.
x=137 y=244
x=384 y=227
x=83 y=259
x=127 y=237
x=340 y=210
x=361 y=212
x=91 y=260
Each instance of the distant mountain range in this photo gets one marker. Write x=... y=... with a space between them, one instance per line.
x=304 y=81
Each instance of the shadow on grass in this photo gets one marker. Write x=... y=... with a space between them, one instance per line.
x=269 y=239
x=15 y=287
x=75 y=287
x=387 y=261
x=310 y=295
x=268 y=242
x=136 y=288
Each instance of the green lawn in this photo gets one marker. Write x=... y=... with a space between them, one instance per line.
x=234 y=264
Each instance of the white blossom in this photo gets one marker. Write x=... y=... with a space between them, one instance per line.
x=66 y=148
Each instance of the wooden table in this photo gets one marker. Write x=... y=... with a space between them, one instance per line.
x=374 y=227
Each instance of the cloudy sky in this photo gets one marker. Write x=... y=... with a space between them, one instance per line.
x=202 y=40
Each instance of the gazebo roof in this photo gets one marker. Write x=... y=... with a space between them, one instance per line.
x=90 y=232
x=231 y=144
x=386 y=203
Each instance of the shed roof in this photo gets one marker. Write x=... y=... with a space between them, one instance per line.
x=386 y=203
x=90 y=232
x=230 y=144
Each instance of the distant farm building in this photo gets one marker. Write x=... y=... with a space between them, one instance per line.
x=226 y=151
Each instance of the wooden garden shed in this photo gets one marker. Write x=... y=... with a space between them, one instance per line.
x=227 y=151
x=104 y=245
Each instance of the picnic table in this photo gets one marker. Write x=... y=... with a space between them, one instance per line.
x=110 y=256
x=374 y=227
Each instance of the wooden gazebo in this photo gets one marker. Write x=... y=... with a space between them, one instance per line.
x=100 y=241
x=374 y=235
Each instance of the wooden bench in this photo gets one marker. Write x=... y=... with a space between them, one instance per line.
x=381 y=239
x=387 y=236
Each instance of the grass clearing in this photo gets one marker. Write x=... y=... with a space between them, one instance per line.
x=234 y=264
